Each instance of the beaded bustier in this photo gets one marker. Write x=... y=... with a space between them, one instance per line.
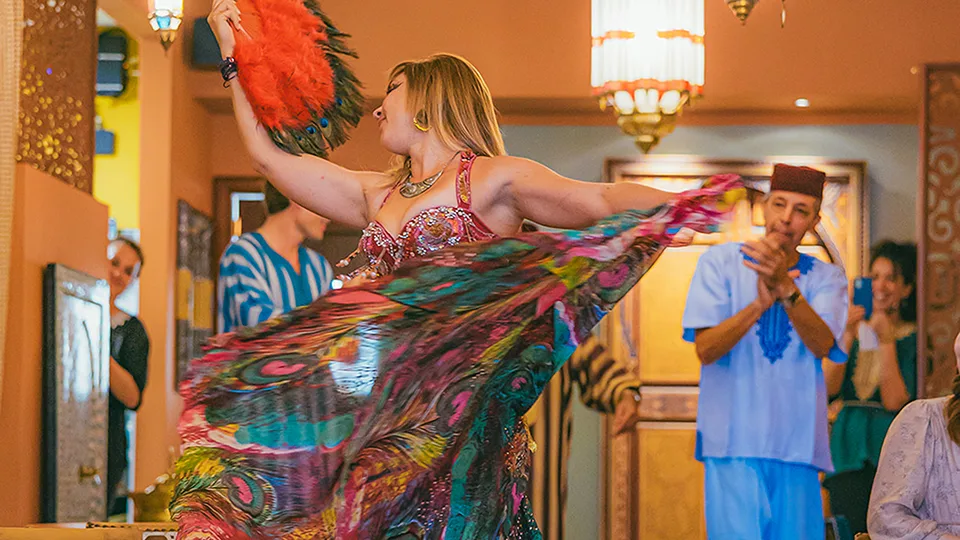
x=430 y=230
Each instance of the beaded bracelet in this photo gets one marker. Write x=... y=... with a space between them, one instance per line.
x=228 y=70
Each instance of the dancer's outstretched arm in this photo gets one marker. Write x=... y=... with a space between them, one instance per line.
x=545 y=197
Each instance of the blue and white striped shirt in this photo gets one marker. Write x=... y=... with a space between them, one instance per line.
x=256 y=283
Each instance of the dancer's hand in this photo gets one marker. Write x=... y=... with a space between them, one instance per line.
x=361 y=278
x=683 y=238
x=224 y=17
x=356 y=281
x=627 y=414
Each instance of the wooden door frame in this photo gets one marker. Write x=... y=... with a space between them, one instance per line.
x=223 y=188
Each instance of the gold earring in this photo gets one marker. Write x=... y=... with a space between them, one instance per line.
x=416 y=123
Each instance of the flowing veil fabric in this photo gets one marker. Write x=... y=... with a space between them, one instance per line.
x=392 y=409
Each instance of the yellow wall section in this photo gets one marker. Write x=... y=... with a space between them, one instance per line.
x=116 y=177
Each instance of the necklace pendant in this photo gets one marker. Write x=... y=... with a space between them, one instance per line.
x=410 y=189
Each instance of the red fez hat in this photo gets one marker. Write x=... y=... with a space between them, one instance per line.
x=798 y=180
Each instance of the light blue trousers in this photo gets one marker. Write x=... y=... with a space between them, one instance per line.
x=762 y=499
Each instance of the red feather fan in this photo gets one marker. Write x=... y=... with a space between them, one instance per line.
x=281 y=64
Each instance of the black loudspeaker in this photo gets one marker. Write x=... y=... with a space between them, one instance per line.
x=206 y=52
x=111 y=57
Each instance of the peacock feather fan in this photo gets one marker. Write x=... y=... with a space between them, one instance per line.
x=291 y=65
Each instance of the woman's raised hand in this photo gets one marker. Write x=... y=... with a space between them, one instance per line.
x=224 y=17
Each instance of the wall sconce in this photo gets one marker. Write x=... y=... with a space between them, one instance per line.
x=647 y=63
x=165 y=18
x=742 y=8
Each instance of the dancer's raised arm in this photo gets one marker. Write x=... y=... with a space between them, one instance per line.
x=322 y=186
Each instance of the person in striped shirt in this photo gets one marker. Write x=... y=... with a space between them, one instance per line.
x=269 y=271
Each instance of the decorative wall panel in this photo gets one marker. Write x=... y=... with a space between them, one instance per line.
x=939 y=213
x=670 y=487
x=57 y=79
x=194 y=283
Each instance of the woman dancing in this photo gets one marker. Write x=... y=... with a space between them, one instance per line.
x=393 y=407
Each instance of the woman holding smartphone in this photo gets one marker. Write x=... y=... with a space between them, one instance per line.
x=877 y=381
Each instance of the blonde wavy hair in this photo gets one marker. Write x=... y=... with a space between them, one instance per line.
x=450 y=97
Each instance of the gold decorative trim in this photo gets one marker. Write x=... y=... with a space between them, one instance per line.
x=666 y=404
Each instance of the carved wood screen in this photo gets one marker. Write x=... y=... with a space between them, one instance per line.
x=652 y=487
x=939 y=220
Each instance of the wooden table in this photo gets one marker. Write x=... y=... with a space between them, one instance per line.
x=84 y=531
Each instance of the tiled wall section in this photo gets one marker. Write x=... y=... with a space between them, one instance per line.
x=57 y=79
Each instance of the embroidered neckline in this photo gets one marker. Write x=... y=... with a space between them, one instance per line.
x=804 y=264
x=775 y=332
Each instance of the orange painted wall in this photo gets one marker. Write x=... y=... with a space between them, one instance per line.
x=176 y=168
x=52 y=222
x=851 y=59
x=839 y=54
x=174 y=165
x=229 y=157
x=191 y=145
x=156 y=418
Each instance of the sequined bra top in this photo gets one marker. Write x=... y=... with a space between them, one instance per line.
x=430 y=230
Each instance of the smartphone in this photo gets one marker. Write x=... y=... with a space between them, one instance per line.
x=863 y=295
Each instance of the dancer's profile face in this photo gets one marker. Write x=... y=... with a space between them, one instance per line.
x=397 y=130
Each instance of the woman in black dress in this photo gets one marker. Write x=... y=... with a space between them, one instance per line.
x=129 y=347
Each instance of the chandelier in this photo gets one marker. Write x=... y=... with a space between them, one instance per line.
x=165 y=18
x=647 y=63
x=742 y=8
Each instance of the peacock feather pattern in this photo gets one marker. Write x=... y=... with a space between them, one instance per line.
x=393 y=409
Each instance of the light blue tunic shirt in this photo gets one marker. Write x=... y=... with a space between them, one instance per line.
x=256 y=283
x=766 y=398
